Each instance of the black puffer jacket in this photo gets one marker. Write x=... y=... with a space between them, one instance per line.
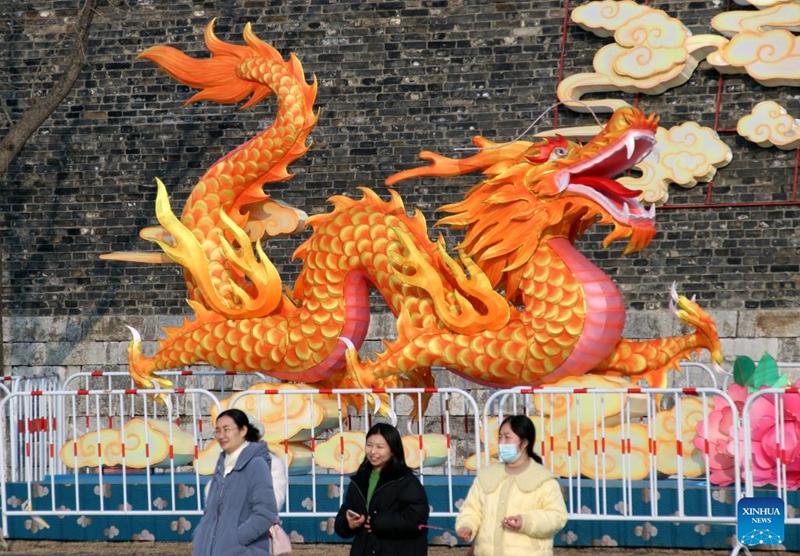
x=398 y=507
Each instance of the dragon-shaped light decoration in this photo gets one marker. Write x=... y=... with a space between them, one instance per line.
x=519 y=305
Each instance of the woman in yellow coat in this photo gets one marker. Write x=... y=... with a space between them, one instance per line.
x=514 y=508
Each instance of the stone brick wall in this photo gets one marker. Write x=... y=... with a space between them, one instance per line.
x=395 y=78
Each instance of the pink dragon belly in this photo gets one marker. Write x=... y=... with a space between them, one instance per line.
x=605 y=314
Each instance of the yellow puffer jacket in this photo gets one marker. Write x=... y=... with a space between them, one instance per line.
x=534 y=494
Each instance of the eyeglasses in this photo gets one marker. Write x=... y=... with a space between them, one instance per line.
x=224 y=430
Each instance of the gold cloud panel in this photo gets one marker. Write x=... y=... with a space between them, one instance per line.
x=652 y=53
x=771 y=58
x=770 y=125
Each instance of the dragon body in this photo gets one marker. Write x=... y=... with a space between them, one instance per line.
x=518 y=305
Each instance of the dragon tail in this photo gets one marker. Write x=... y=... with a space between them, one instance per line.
x=216 y=77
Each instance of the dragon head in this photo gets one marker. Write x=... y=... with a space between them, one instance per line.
x=555 y=189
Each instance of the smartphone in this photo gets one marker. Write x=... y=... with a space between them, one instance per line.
x=352 y=513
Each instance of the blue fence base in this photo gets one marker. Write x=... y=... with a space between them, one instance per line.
x=696 y=534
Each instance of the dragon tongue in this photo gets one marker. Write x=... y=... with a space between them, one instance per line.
x=607 y=185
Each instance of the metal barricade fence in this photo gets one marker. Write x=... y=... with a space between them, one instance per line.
x=214 y=380
x=771 y=431
x=95 y=434
x=26 y=383
x=84 y=415
x=691 y=369
x=33 y=418
x=403 y=407
x=606 y=442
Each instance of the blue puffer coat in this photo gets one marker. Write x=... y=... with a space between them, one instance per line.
x=240 y=508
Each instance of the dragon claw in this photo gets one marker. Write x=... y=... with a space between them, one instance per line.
x=162 y=398
x=383 y=408
x=354 y=369
x=360 y=377
x=690 y=313
x=140 y=371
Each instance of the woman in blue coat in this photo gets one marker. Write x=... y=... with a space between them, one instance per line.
x=385 y=507
x=240 y=507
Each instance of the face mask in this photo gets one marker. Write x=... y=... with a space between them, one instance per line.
x=508 y=453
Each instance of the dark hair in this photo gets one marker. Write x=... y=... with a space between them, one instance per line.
x=242 y=420
x=522 y=426
x=395 y=443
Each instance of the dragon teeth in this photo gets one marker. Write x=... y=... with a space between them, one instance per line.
x=563 y=182
x=630 y=146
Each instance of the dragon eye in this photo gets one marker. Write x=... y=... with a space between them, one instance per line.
x=559 y=152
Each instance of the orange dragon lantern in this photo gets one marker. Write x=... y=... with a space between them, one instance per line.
x=517 y=305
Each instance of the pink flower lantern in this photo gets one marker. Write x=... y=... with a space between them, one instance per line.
x=768 y=448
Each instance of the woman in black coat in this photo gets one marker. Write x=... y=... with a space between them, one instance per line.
x=385 y=507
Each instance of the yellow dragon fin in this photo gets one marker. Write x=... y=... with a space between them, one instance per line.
x=457 y=311
x=234 y=302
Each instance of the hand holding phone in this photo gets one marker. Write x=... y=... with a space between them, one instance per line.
x=355 y=520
